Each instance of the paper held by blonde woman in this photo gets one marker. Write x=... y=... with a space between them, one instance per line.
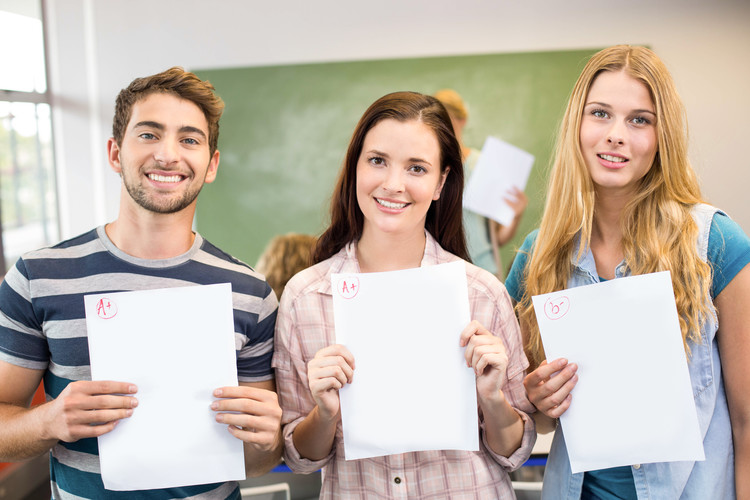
x=633 y=402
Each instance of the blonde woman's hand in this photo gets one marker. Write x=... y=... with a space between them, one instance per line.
x=549 y=386
x=330 y=369
x=485 y=354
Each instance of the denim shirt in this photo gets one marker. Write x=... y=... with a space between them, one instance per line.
x=711 y=478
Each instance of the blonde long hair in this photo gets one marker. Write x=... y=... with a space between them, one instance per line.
x=659 y=232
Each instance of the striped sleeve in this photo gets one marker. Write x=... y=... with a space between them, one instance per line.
x=22 y=342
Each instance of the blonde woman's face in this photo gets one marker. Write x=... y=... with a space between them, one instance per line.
x=618 y=133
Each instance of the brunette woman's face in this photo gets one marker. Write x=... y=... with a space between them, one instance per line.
x=618 y=132
x=398 y=177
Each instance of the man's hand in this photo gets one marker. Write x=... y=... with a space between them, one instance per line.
x=257 y=415
x=87 y=409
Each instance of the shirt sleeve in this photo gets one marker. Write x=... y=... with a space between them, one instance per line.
x=291 y=384
x=728 y=251
x=503 y=323
x=514 y=281
x=254 y=359
x=22 y=341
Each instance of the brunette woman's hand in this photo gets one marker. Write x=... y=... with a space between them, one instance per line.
x=327 y=372
x=549 y=386
x=485 y=353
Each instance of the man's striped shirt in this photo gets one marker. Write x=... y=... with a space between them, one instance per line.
x=43 y=327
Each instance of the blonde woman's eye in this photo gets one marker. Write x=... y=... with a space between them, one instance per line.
x=641 y=120
x=599 y=113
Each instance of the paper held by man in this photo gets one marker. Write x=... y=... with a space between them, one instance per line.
x=176 y=345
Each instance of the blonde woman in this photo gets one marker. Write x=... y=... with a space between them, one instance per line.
x=624 y=200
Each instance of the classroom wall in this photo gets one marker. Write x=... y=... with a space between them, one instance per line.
x=97 y=47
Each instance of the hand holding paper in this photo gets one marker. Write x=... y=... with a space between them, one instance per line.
x=486 y=354
x=330 y=369
x=87 y=409
x=549 y=386
x=254 y=415
x=500 y=168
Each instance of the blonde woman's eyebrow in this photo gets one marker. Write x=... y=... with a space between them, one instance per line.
x=607 y=106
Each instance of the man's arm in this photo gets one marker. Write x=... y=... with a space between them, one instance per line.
x=258 y=423
x=28 y=432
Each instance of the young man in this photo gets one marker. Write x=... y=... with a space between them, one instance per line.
x=165 y=134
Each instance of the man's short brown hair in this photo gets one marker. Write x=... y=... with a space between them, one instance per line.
x=175 y=81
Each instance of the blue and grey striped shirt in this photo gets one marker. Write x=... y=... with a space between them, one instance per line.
x=43 y=327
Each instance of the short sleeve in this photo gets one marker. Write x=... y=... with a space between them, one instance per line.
x=728 y=251
x=514 y=281
x=254 y=359
x=22 y=341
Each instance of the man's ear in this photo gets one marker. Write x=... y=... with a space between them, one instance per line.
x=439 y=188
x=113 y=155
x=213 y=167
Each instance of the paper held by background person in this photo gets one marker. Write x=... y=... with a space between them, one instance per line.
x=500 y=167
x=411 y=389
x=176 y=345
x=633 y=402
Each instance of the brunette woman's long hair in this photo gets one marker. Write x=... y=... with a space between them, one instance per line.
x=444 y=217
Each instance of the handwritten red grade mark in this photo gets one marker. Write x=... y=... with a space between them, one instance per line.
x=106 y=309
x=556 y=307
x=348 y=287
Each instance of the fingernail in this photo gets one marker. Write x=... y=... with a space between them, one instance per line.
x=133 y=403
x=132 y=389
x=129 y=412
x=218 y=392
x=215 y=405
x=220 y=417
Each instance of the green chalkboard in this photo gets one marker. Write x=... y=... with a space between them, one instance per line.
x=285 y=131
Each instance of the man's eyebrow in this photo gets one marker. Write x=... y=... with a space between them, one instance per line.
x=149 y=124
x=160 y=126
x=194 y=130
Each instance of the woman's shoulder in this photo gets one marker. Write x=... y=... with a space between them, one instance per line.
x=310 y=280
x=482 y=282
x=528 y=242
x=514 y=281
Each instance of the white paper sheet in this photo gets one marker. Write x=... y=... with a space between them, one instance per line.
x=411 y=389
x=500 y=167
x=176 y=345
x=633 y=402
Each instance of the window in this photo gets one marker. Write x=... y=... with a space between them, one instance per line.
x=28 y=202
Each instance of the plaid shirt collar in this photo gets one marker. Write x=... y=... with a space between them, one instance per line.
x=345 y=261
